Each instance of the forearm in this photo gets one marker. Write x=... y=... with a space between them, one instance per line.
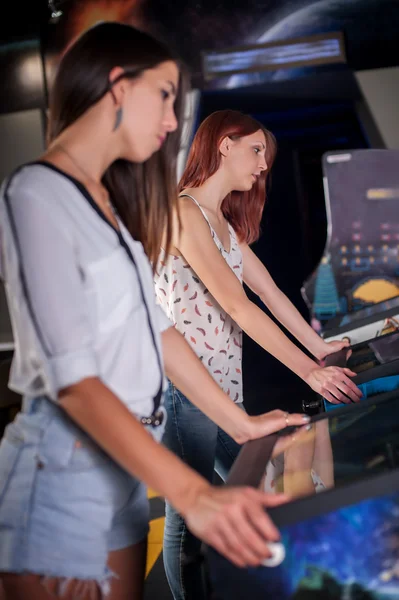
x=323 y=462
x=269 y=336
x=286 y=313
x=107 y=420
x=189 y=375
x=297 y=468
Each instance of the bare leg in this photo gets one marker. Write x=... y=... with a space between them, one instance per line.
x=129 y=565
x=37 y=587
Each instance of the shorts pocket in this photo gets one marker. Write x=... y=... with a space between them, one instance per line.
x=65 y=446
x=87 y=455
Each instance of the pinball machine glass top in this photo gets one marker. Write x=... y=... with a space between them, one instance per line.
x=345 y=447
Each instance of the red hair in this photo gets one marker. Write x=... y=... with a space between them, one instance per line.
x=243 y=210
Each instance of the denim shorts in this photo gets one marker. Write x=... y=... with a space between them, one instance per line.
x=64 y=503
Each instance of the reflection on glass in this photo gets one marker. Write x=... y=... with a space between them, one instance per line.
x=305 y=467
x=370 y=354
x=336 y=451
x=386 y=349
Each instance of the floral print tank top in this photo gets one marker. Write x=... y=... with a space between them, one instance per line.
x=210 y=331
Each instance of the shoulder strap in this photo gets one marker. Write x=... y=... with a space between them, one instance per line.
x=199 y=206
x=158 y=397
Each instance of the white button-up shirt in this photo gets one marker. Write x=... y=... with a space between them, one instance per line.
x=73 y=292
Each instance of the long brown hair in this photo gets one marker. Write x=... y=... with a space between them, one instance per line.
x=243 y=210
x=144 y=194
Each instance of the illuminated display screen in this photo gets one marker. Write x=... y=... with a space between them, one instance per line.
x=312 y=50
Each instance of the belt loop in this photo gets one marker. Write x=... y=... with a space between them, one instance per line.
x=30 y=405
x=158 y=398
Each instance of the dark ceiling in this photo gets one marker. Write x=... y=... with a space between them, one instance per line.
x=22 y=21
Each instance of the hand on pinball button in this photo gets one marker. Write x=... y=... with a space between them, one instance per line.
x=277 y=550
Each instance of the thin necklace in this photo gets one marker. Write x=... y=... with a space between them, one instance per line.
x=82 y=170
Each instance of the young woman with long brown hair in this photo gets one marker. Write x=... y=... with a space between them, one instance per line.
x=199 y=285
x=91 y=345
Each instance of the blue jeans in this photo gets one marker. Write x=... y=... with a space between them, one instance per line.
x=202 y=445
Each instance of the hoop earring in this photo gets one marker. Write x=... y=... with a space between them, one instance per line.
x=118 y=118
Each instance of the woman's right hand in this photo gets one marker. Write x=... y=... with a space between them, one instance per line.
x=233 y=520
x=334 y=384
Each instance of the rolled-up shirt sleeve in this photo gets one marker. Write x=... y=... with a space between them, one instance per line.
x=45 y=276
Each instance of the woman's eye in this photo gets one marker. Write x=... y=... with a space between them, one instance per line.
x=257 y=150
x=165 y=94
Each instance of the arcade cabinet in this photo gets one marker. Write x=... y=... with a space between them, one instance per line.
x=360 y=264
x=340 y=530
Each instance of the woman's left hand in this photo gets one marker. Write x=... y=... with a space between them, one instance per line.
x=332 y=347
x=273 y=421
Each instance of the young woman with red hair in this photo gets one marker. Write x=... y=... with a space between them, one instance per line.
x=199 y=285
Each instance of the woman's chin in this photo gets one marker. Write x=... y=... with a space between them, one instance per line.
x=245 y=187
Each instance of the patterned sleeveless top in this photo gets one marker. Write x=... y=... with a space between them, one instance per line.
x=210 y=331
